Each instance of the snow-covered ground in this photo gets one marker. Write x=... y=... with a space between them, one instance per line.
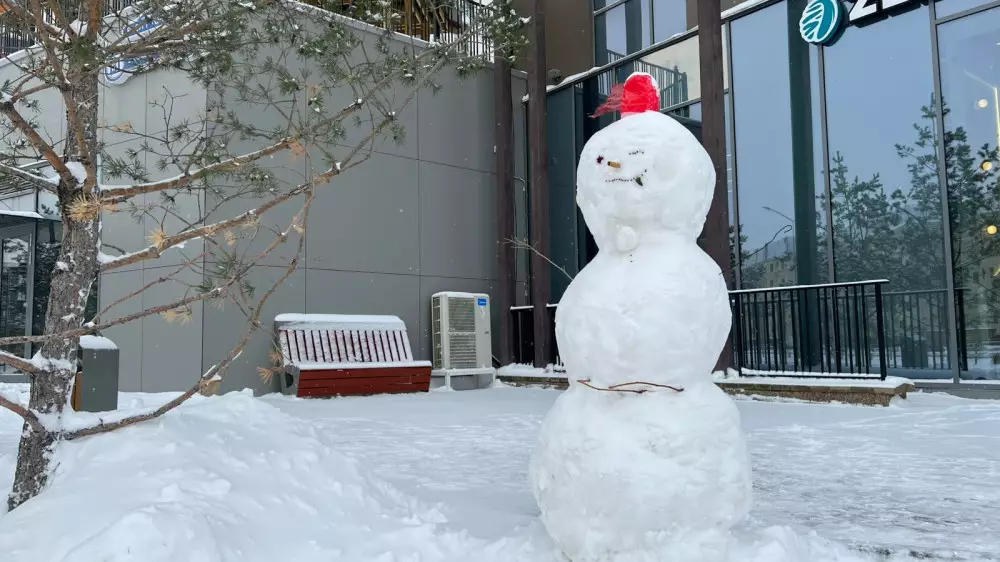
x=443 y=477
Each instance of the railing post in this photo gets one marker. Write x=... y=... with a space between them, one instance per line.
x=963 y=344
x=880 y=329
x=737 y=332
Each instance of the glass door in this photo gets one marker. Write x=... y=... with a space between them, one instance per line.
x=970 y=88
x=15 y=285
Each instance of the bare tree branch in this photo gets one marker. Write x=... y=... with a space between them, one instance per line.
x=215 y=374
x=26 y=414
x=524 y=245
x=44 y=149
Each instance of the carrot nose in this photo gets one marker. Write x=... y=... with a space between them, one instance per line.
x=614 y=164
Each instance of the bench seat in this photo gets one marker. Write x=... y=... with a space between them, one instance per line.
x=342 y=355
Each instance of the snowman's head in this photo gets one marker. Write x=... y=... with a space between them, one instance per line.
x=645 y=172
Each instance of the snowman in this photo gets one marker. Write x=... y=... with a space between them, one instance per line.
x=643 y=458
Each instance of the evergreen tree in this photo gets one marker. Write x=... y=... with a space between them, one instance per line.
x=278 y=78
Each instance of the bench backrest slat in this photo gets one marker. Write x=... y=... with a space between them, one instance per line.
x=306 y=338
x=406 y=348
x=318 y=346
x=377 y=343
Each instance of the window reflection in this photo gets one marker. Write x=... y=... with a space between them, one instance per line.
x=676 y=70
x=771 y=115
x=561 y=116
x=14 y=260
x=887 y=221
x=970 y=79
x=671 y=17
x=946 y=8
x=610 y=39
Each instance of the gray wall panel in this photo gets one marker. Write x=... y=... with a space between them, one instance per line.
x=171 y=351
x=251 y=241
x=366 y=219
x=225 y=327
x=128 y=337
x=171 y=99
x=457 y=222
x=348 y=292
x=456 y=124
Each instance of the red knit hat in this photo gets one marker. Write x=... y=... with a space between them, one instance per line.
x=638 y=94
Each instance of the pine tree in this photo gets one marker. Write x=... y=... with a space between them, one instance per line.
x=321 y=88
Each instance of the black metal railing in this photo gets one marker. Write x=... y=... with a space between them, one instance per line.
x=16 y=36
x=524 y=335
x=833 y=330
x=916 y=326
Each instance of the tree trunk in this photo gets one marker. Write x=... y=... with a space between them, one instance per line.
x=70 y=288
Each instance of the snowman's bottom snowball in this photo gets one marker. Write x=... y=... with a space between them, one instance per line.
x=621 y=476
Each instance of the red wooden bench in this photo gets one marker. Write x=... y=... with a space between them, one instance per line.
x=341 y=355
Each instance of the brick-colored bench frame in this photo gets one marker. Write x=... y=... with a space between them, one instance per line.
x=342 y=355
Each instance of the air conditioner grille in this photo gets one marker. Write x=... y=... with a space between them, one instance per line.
x=436 y=330
x=462 y=351
x=461 y=315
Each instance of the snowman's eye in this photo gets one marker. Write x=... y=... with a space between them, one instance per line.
x=600 y=159
x=634 y=152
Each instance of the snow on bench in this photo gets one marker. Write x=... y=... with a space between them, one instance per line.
x=341 y=354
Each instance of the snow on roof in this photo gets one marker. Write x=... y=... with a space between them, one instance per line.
x=11 y=213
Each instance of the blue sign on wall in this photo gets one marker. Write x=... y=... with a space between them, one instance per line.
x=481 y=301
x=120 y=71
x=820 y=21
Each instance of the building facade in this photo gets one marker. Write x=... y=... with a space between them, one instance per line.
x=862 y=144
x=416 y=219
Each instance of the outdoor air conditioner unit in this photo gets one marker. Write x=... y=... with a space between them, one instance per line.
x=460 y=330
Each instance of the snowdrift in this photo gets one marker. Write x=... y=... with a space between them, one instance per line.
x=221 y=479
x=233 y=478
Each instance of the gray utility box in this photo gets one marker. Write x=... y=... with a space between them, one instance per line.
x=96 y=387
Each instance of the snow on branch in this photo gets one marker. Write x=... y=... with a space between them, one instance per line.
x=18 y=363
x=37 y=181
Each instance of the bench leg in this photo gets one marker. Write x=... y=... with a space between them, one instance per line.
x=290 y=381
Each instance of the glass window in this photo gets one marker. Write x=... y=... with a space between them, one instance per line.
x=610 y=40
x=639 y=25
x=692 y=111
x=884 y=183
x=775 y=152
x=970 y=80
x=676 y=71
x=15 y=248
x=671 y=17
x=946 y=8
x=561 y=119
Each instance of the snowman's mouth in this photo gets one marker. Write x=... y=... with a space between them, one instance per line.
x=637 y=179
